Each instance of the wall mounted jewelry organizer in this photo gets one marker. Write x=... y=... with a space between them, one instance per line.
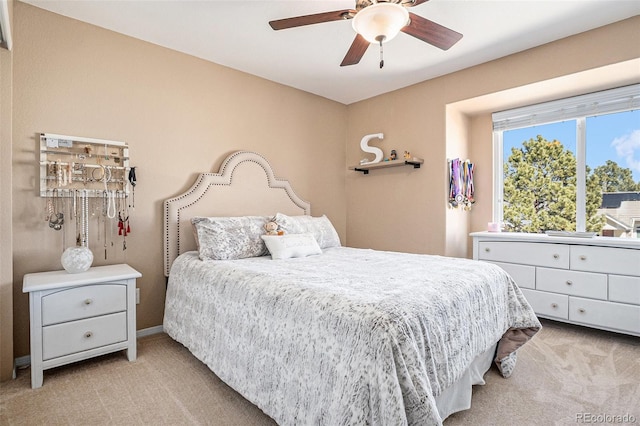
x=70 y=163
x=88 y=181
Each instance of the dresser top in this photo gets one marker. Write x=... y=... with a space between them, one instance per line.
x=633 y=243
x=39 y=281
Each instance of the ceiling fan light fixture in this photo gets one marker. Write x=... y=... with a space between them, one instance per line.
x=380 y=22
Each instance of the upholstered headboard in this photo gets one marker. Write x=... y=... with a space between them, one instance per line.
x=244 y=186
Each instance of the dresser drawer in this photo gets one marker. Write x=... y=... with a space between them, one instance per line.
x=550 y=255
x=574 y=283
x=523 y=275
x=606 y=259
x=83 y=302
x=624 y=289
x=611 y=315
x=77 y=336
x=548 y=304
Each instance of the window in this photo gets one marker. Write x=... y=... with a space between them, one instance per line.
x=570 y=165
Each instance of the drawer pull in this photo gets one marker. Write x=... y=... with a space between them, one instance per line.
x=554 y=305
x=582 y=310
x=88 y=335
x=487 y=249
x=88 y=301
x=556 y=256
x=583 y=257
x=569 y=282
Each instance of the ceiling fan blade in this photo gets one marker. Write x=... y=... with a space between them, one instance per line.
x=318 y=18
x=356 y=51
x=430 y=32
x=412 y=3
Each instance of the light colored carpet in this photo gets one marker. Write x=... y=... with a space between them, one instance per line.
x=564 y=372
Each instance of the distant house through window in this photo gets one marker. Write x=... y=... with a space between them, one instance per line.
x=621 y=211
x=570 y=165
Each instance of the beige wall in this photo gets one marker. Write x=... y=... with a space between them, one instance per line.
x=179 y=114
x=406 y=209
x=457 y=219
x=6 y=247
x=480 y=149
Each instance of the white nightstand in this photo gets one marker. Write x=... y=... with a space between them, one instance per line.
x=79 y=316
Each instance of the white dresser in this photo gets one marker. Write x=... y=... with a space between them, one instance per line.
x=587 y=281
x=78 y=316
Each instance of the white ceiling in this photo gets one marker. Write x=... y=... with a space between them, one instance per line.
x=236 y=34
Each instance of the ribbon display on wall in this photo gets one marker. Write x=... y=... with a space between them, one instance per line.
x=461 y=184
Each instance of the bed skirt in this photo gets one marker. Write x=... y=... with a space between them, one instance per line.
x=457 y=397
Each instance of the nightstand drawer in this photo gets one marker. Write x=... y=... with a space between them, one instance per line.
x=548 y=304
x=583 y=284
x=611 y=315
x=83 y=302
x=77 y=336
x=550 y=255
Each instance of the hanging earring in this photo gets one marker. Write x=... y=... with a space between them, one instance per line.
x=120 y=224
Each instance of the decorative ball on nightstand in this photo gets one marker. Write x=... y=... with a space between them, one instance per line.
x=77 y=259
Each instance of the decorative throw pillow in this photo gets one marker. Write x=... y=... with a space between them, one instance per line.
x=227 y=238
x=321 y=228
x=291 y=245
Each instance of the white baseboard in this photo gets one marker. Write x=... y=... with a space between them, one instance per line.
x=25 y=361
x=149 y=331
x=22 y=361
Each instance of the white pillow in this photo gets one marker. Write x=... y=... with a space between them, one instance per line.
x=321 y=228
x=291 y=245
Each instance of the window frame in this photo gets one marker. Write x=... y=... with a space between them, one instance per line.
x=578 y=108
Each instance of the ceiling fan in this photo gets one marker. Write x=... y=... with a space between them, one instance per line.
x=378 y=21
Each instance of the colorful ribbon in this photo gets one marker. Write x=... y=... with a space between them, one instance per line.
x=461 y=187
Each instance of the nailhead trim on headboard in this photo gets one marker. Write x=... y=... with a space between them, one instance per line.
x=204 y=181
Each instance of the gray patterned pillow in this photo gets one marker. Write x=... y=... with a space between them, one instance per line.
x=227 y=238
x=321 y=228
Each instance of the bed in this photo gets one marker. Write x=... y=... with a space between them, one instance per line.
x=316 y=333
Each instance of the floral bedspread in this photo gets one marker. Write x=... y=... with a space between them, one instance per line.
x=349 y=337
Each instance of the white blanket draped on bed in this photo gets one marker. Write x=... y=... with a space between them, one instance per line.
x=348 y=337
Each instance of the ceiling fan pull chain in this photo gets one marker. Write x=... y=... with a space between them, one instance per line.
x=381 y=58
